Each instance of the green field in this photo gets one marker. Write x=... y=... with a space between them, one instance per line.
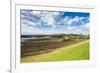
x=78 y=51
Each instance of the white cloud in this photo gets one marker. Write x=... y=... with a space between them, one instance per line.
x=52 y=19
x=87 y=25
x=27 y=22
x=81 y=18
x=66 y=20
x=36 y=12
x=71 y=27
x=74 y=20
x=47 y=17
x=30 y=30
x=84 y=29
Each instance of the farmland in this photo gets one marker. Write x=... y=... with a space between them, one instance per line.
x=79 y=51
x=55 y=48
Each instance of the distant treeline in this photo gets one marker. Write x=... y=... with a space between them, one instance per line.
x=57 y=36
x=29 y=36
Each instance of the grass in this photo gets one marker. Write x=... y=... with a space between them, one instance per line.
x=79 y=51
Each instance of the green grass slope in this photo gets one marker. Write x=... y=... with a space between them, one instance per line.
x=79 y=51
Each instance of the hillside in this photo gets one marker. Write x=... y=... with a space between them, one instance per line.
x=78 y=51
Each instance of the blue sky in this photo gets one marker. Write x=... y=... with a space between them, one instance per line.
x=52 y=22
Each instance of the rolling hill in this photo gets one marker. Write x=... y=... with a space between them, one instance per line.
x=78 y=51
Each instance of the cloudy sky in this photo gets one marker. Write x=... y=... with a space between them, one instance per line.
x=50 y=22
